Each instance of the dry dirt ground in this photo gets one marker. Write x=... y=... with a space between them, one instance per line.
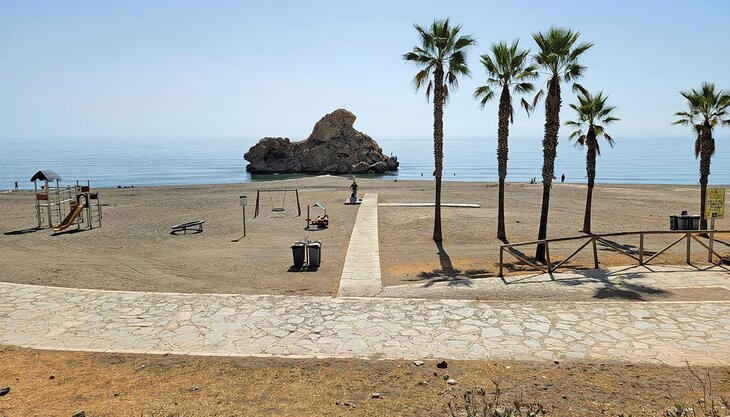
x=48 y=383
x=134 y=251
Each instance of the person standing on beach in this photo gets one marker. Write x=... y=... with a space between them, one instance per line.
x=562 y=179
x=354 y=188
x=16 y=185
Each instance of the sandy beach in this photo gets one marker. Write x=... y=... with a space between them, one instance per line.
x=133 y=250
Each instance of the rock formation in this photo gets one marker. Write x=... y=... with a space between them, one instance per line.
x=334 y=147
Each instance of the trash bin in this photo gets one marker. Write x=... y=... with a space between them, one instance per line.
x=684 y=222
x=297 y=251
x=314 y=250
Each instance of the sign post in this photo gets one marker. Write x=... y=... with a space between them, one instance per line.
x=714 y=209
x=242 y=203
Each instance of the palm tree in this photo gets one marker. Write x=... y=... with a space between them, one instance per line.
x=442 y=54
x=592 y=114
x=707 y=109
x=507 y=70
x=558 y=55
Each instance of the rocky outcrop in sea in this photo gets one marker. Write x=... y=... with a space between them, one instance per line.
x=334 y=147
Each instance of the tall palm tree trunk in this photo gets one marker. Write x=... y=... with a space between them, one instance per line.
x=591 y=175
x=502 y=150
x=438 y=146
x=706 y=150
x=549 y=150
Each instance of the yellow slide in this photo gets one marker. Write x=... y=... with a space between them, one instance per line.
x=71 y=218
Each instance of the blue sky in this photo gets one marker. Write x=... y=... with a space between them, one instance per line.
x=137 y=69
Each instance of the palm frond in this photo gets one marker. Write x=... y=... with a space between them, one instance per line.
x=592 y=111
x=528 y=109
x=484 y=94
x=524 y=88
x=506 y=67
x=420 y=79
x=537 y=98
x=609 y=139
x=579 y=89
x=706 y=107
x=441 y=47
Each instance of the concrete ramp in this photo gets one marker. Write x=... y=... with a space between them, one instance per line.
x=361 y=273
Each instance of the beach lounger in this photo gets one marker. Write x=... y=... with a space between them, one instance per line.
x=185 y=226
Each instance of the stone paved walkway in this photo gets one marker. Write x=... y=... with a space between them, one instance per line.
x=95 y=320
x=361 y=272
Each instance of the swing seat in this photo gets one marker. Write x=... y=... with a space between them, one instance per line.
x=277 y=209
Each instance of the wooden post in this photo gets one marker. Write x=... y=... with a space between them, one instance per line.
x=48 y=206
x=641 y=249
x=547 y=258
x=244 y=221
x=308 y=218
x=88 y=210
x=37 y=204
x=501 y=260
x=595 y=253
x=299 y=208
x=689 y=248
x=256 y=209
x=712 y=239
x=58 y=200
x=98 y=201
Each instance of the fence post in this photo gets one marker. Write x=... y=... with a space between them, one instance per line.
x=712 y=238
x=689 y=248
x=501 y=260
x=547 y=257
x=641 y=249
x=595 y=253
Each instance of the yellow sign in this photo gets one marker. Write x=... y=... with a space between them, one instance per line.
x=715 y=203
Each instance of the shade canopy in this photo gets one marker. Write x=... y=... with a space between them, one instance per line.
x=46 y=175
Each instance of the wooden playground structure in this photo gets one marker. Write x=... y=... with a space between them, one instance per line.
x=61 y=207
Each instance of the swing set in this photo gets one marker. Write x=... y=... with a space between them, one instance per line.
x=274 y=206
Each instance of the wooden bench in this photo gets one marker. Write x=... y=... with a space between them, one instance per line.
x=189 y=225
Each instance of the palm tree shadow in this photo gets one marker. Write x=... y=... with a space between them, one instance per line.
x=622 y=289
x=631 y=249
x=518 y=265
x=447 y=272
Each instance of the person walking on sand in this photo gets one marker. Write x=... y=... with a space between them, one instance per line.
x=562 y=179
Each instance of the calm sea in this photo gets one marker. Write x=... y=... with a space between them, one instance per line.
x=111 y=163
